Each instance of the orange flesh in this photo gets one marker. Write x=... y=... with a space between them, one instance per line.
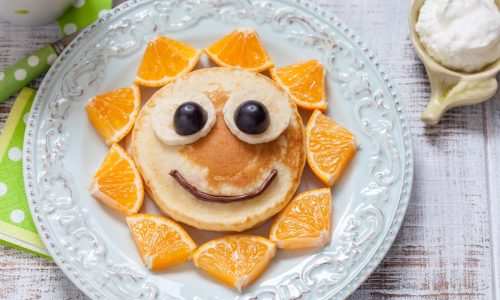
x=305 y=222
x=161 y=242
x=241 y=48
x=330 y=147
x=305 y=83
x=118 y=183
x=112 y=114
x=164 y=60
x=236 y=260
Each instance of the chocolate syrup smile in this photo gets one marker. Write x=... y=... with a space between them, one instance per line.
x=222 y=198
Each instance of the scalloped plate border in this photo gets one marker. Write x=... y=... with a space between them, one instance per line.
x=349 y=287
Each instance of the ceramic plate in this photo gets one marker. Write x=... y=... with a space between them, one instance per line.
x=92 y=244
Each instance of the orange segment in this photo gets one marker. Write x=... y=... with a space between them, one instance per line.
x=305 y=222
x=113 y=114
x=237 y=260
x=241 y=48
x=161 y=242
x=165 y=60
x=329 y=147
x=305 y=82
x=118 y=183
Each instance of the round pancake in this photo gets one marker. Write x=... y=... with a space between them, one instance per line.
x=220 y=163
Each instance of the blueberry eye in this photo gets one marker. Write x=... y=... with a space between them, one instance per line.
x=251 y=117
x=189 y=118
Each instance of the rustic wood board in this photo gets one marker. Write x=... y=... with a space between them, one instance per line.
x=449 y=244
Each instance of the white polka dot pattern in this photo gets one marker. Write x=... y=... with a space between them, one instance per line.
x=33 y=61
x=3 y=189
x=79 y=3
x=15 y=154
x=17 y=216
x=20 y=74
x=70 y=28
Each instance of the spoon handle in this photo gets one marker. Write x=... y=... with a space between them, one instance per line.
x=15 y=77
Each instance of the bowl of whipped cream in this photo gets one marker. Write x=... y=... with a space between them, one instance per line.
x=459 y=43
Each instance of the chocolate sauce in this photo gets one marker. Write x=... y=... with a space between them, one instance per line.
x=222 y=198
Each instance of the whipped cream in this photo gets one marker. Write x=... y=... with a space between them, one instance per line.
x=460 y=34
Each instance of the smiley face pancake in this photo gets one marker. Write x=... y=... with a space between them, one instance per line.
x=220 y=149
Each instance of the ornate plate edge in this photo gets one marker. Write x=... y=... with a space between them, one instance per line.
x=313 y=9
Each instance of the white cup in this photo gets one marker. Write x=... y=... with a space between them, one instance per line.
x=33 y=12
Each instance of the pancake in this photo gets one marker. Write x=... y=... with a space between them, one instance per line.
x=220 y=163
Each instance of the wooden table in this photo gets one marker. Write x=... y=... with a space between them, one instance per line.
x=449 y=245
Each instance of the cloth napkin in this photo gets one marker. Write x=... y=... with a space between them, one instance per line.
x=16 y=225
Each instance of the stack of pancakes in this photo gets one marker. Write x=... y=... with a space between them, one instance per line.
x=220 y=163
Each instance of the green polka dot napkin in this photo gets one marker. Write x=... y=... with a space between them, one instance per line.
x=16 y=225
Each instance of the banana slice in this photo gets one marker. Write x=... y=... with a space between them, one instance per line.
x=163 y=119
x=275 y=101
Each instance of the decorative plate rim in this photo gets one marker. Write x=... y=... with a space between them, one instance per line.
x=313 y=9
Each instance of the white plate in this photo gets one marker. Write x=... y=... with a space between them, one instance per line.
x=92 y=245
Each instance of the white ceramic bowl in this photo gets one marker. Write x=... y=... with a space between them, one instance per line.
x=33 y=12
x=450 y=88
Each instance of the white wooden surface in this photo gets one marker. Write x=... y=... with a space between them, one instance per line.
x=449 y=245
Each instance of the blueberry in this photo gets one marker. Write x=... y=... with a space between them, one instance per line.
x=189 y=118
x=251 y=117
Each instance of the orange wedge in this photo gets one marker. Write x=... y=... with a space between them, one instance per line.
x=161 y=242
x=118 y=183
x=305 y=82
x=329 y=147
x=306 y=222
x=113 y=114
x=237 y=260
x=241 y=48
x=165 y=60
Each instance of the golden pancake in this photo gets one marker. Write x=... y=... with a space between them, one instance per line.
x=219 y=162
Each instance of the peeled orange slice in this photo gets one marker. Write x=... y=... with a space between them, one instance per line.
x=329 y=147
x=237 y=260
x=305 y=82
x=165 y=60
x=113 y=114
x=118 y=183
x=305 y=222
x=241 y=48
x=161 y=242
